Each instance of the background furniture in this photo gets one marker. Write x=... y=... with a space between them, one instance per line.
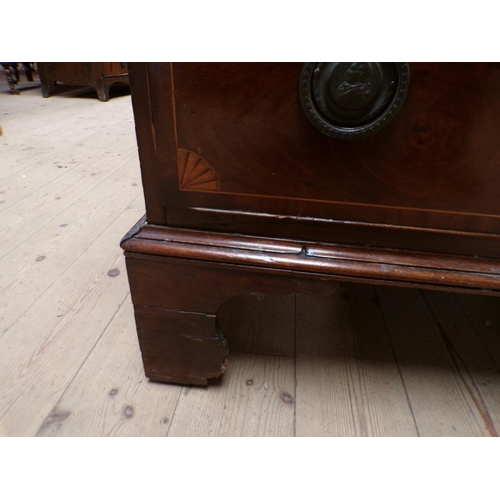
x=13 y=75
x=264 y=178
x=100 y=75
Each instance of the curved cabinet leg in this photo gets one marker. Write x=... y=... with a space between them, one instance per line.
x=102 y=92
x=28 y=70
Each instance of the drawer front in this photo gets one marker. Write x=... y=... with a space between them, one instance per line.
x=235 y=140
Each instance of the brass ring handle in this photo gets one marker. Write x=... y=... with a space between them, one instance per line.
x=352 y=100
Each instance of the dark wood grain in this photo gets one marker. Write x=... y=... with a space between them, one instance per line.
x=439 y=153
x=309 y=264
x=311 y=228
x=146 y=141
x=433 y=166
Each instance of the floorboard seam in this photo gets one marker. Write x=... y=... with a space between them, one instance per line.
x=397 y=363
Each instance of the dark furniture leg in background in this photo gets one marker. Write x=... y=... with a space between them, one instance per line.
x=13 y=76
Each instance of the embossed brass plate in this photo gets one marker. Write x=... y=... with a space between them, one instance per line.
x=352 y=100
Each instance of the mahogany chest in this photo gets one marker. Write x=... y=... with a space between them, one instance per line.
x=277 y=178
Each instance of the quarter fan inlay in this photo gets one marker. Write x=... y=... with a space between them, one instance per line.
x=195 y=173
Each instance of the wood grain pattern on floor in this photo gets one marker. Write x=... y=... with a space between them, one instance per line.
x=440 y=389
x=255 y=399
x=348 y=381
x=110 y=396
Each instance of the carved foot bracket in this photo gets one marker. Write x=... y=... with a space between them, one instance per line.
x=180 y=347
x=176 y=301
x=179 y=279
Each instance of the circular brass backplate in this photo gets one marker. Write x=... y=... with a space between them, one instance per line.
x=352 y=100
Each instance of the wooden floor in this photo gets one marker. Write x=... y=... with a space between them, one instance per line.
x=365 y=361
